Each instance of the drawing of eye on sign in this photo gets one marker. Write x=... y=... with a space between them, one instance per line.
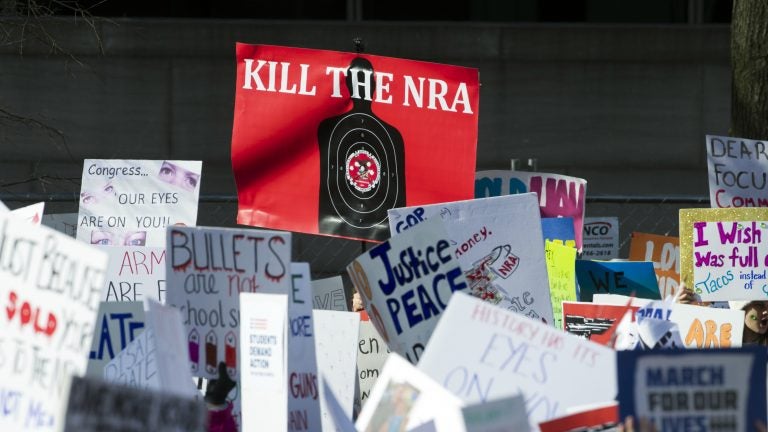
x=722 y=253
x=405 y=284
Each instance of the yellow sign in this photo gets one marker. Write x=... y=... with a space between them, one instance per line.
x=561 y=269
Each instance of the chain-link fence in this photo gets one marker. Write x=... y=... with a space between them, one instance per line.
x=329 y=256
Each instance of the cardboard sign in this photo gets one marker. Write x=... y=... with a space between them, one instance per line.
x=372 y=352
x=406 y=282
x=31 y=213
x=598 y=419
x=206 y=270
x=136 y=365
x=664 y=252
x=702 y=327
x=405 y=397
x=498 y=249
x=601 y=238
x=737 y=169
x=304 y=386
x=336 y=339
x=117 y=324
x=362 y=130
x=135 y=273
x=130 y=202
x=65 y=223
x=592 y=321
x=172 y=357
x=98 y=406
x=49 y=286
x=505 y=414
x=616 y=277
x=559 y=195
x=694 y=389
x=328 y=294
x=561 y=269
x=559 y=229
x=264 y=377
x=729 y=259
x=481 y=352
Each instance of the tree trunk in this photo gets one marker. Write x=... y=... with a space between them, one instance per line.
x=749 y=64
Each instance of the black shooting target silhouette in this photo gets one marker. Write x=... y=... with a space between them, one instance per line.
x=362 y=164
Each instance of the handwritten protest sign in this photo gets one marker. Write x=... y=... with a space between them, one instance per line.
x=263 y=376
x=616 y=277
x=50 y=287
x=65 y=223
x=172 y=358
x=98 y=406
x=336 y=339
x=328 y=294
x=559 y=229
x=135 y=273
x=591 y=320
x=601 y=238
x=372 y=352
x=694 y=389
x=561 y=271
x=558 y=195
x=604 y=418
x=304 y=386
x=354 y=119
x=722 y=253
x=405 y=284
x=737 y=169
x=664 y=252
x=117 y=324
x=130 y=202
x=136 y=365
x=31 y=213
x=405 y=397
x=206 y=269
x=498 y=244
x=700 y=327
x=481 y=352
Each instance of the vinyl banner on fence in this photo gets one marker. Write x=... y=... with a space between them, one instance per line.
x=737 y=172
x=694 y=389
x=481 y=352
x=50 y=286
x=405 y=284
x=360 y=131
x=130 y=202
x=207 y=269
x=601 y=238
x=664 y=252
x=559 y=195
x=724 y=253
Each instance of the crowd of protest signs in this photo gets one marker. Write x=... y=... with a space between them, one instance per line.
x=489 y=301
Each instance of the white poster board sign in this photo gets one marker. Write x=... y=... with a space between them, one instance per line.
x=406 y=282
x=263 y=376
x=206 y=270
x=481 y=352
x=735 y=167
x=559 y=195
x=329 y=294
x=117 y=324
x=50 y=287
x=172 y=358
x=136 y=365
x=405 y=397
x=135 y=273
x=372 y=352
x=31 y=213
x=130 y=202
x=304 y=396
x=336 y=339
x=601 y=238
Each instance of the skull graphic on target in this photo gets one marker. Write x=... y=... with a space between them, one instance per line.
x=362 y=164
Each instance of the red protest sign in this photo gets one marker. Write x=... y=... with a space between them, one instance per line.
x=326 y=142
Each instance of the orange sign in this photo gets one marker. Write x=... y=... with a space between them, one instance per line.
x=664 y=251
